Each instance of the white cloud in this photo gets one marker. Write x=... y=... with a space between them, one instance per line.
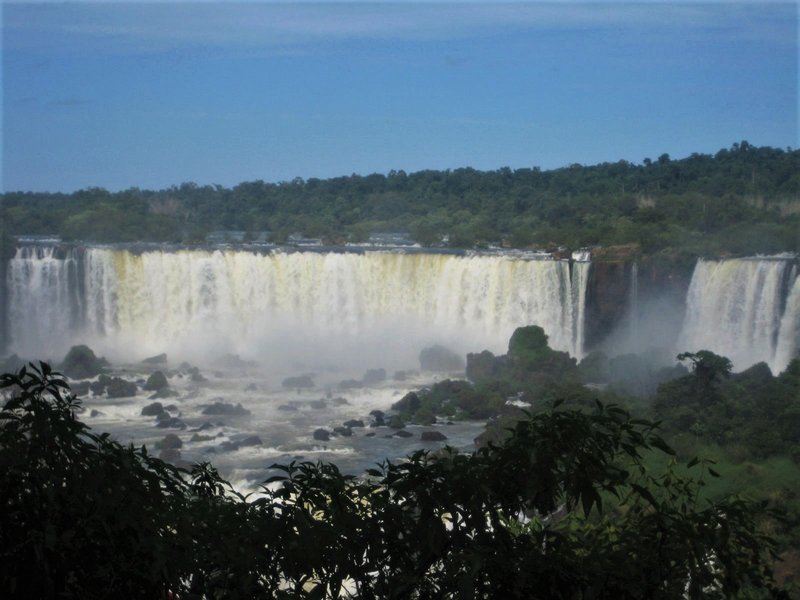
x=296 y=25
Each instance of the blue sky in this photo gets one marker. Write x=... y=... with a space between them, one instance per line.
x=118 y=95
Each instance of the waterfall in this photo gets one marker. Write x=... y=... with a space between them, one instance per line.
x=132 y=304
x=633 y=306
x=734 y=308
x=788 y=345
x=580 y=278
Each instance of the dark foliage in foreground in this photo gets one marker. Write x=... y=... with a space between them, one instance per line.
x=83 y=516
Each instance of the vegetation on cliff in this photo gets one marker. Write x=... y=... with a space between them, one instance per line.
x=743 y=200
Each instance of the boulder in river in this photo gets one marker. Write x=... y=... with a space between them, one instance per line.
x=374 y=376
x=81 y=363
x=322 y=435
x=159 y=359
x=224 y=408
x=439 y=358
x=157 y=381
x=432 y=436
x=119 y=388
x=299 y=382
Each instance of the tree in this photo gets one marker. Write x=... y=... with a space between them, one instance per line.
x=564 y=509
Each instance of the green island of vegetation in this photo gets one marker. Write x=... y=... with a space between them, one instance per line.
x=741 y=200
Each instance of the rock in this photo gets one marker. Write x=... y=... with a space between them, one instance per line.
x=252 y=440
x=343 y=431
x=119 y=388
x=287 y=407
x=370 y=434
x=408 y=404
x=318 y=404
x=201 y=438
x=170 y=441
x=350 y=384
x=374 y=376
x=170 y=423
x=432 y=436
x=303 y=381
x=170 y=455
x=403 y=434
x=400 y=376
x=195 y=376
x=223 y=408
x=95 y=413
x=153 y=410
x=339 y=401
x=484 y=365
x=157 y=381
x=204 y=427
x=396 y=422
x=159 y=359
x=80 y=388
x=81 y=363
x=439 y=358
x=251 y=387
x=98 y=387
x=353 y=423
x=377 y=418
x=322 y=435
x=163 y=393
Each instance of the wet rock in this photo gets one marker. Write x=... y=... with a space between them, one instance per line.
x=153 y=410
x=170 y=455
x=169 y=441
x=343 y=431
x=377 y=418
x=288 y=407
x=195 y=376
x=318 y=404
x=157 y=381
x=163 y=393
x=232 y=361
x=339 y=401
x=353 y=423
x=80 y=388
x=95 y=413
x=322 y=435
x=159 y=359
x=400 y=376
x=201 y=438
x=350 y=384
x=300 y=382
x=252 y=440
x=81 y=363
x=170 y=423
x=204 y=427
x=251 y=387
x=432 y=436
x=408 y=404
x=119 y=388
x=370 y=434
x=403 y=434
x=439 y=358
x=374 y=376
x=224 y=408
x=396 y=422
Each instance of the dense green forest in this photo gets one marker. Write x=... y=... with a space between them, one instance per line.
x=744 y=199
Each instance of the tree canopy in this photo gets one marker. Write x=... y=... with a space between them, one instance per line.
x=565 y=508
x=744 y=199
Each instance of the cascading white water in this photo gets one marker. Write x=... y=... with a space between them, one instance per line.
x=733 y=308
x=132 y=304
x=789 y=334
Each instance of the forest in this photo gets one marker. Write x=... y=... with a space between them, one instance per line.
x=741 y=200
